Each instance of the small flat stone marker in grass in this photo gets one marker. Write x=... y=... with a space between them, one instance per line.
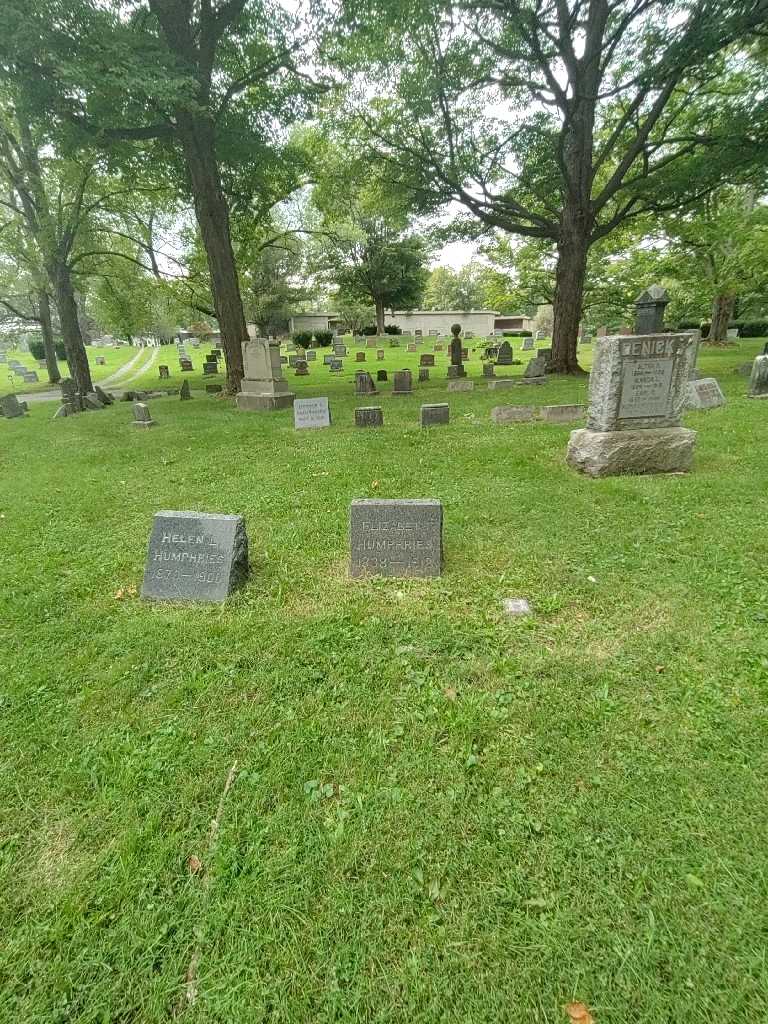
x=213 y=389
x=426 y=359
x=396 y=537
x=311 y=413
x=369 y=416
x=435 y=415
x=703 y=394
x=512 y=414
x=515 y=606
x=461 y=385
x=562 y=413
x=195 y=556
x=92 y=401
x=758 y=381
x=142 y=417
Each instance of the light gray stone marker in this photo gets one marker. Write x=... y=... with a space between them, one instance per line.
x=394 y=537
x=10 y=407
x=311 y=413
x=512 y=414
x=637 y=396
x=263 y=386
x=758 y=381
x=142 y=417
x=562 y=413
x=704 y=394
x=195 y=556
x=461 y=385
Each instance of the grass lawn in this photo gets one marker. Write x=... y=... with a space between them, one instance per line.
x=115 y=359
x=426 y=812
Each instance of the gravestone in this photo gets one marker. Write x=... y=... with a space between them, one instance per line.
x=393 y=537
x=426 y=359
x=195 y=556
x=10 y=407
x=209 y=369
x=411 y=347
x=511 y=382
x=528 y=345
x=301 y=368
x=403 y=383
x=637 y=396
x=311 y=413
x=512 y=414
x=758 y=381
x=371 y=342
x=103 y=396
x=364 y=383
x=438 y=348
x=142 y=416
x=328 y=359
x=703 y=394
x=394 y=343
x=515 y=606
x=293 y=359
x=423 y=374
x=381 y=375
x=359 y=357
x=649 y=310
x=165 y=372
x=562 y=413
x=92 y=401
x=380 y=354
x=185 y=365
x=310 y=355
x=100 y=361
x=335 y=366
x=340 y=350
x=369 y=416
x=456 y=369
x=536 y=367
x=505 y=356
x=263 y=386
x=435 y=415
x=30 y=377
x=185 y=392
x=460 y=385
x=213 y=389
x=489 y=370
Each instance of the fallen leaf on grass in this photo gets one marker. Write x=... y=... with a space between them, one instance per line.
x=450 y=693
x=660 y=668
x=579 y=1013
x=374 y=485
x=123 y=592
x=194 y=864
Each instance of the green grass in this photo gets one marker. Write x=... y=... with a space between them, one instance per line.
x=114 y=357
x=437 y=814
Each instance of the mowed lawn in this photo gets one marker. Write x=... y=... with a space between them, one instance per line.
x=424 y=811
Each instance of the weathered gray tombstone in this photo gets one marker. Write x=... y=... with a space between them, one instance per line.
x=426 y=359
x=364 y=383
x=371 y=342
x=336 y=366
x=758 y=381
x=489 y=370
x=369 y=416
x=185 y=392
x=310 y=355
x=435 y=415
x=562 y=413
x=536 y=368
x=381 y=375
x=92 y=401
x=185 y=365
x=195 y=556
x=263 y=387
x=423 y=374
x=637 y=396
x=103 y=396
x=214 y=389
x=704 y=393
x=142 y=416
x=402 y=383
x=165 y=372
x=380 y=354
x=649 y=310
x=460 y=385
x=340 y=350
x=528 y=345
x=10 y=407
x=301 y=367
x=328 y=359
x=512 y=414
x=210 y=368
x=292 y=360
x=411 y=347
x=359 y=357
x=311 y=413
x=505 y=356
x=394 y=537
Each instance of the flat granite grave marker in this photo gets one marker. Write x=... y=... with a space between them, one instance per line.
x=195 y=556
x=704 y=393
x=311 y=413
x=369 y=416
x=561 y=413
x=396 y=537
x=512 y=414
x=460 y=385
x=435 y=415
x=637 y=395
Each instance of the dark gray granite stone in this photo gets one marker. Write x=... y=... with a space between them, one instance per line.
x=364 y=383
x=403 y=383
x=426 y=359
x=381 y=375
x=394 y=537
x=195 y=556
x=369 y=416
x=423 y=374
x=435 y=415
x=210 y=368
x=505 y=357
x=185 y=392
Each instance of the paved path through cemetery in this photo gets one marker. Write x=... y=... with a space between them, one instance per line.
x=52 y=396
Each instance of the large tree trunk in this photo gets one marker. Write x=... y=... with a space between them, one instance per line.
x=70 y=327
x=198 y=141
x=379 y=303
x=569 y=292
x=722 y=312
x=44 y=309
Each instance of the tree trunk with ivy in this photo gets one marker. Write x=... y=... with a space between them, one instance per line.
x=722 y=313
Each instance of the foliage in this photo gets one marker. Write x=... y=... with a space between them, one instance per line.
x=302 y=338
x=392 y=329
x=323 y=338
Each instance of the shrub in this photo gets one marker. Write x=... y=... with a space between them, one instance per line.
x=689 y=325
x=302 y=338
x=369 y=331
x=752 y=328
x=392 y=329
x=37 y=349
x=518 y=334
x=323 y=338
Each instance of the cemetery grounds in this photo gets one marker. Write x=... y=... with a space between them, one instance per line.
x=380 y=799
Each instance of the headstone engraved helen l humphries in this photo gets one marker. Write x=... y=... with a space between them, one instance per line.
x=311 y=413
x=394 y=537
x=195 y=556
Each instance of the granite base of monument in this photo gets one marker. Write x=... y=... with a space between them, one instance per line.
x=393 y=537
x=195 y=556
x=631 y=452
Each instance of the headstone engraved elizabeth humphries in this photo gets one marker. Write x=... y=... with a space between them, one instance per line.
x=195 y=556
x=396 y=537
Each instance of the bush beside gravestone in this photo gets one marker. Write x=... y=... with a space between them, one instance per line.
x=303 y=339
x=323 y=338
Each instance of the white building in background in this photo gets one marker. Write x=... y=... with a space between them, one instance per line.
x=435 y=322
